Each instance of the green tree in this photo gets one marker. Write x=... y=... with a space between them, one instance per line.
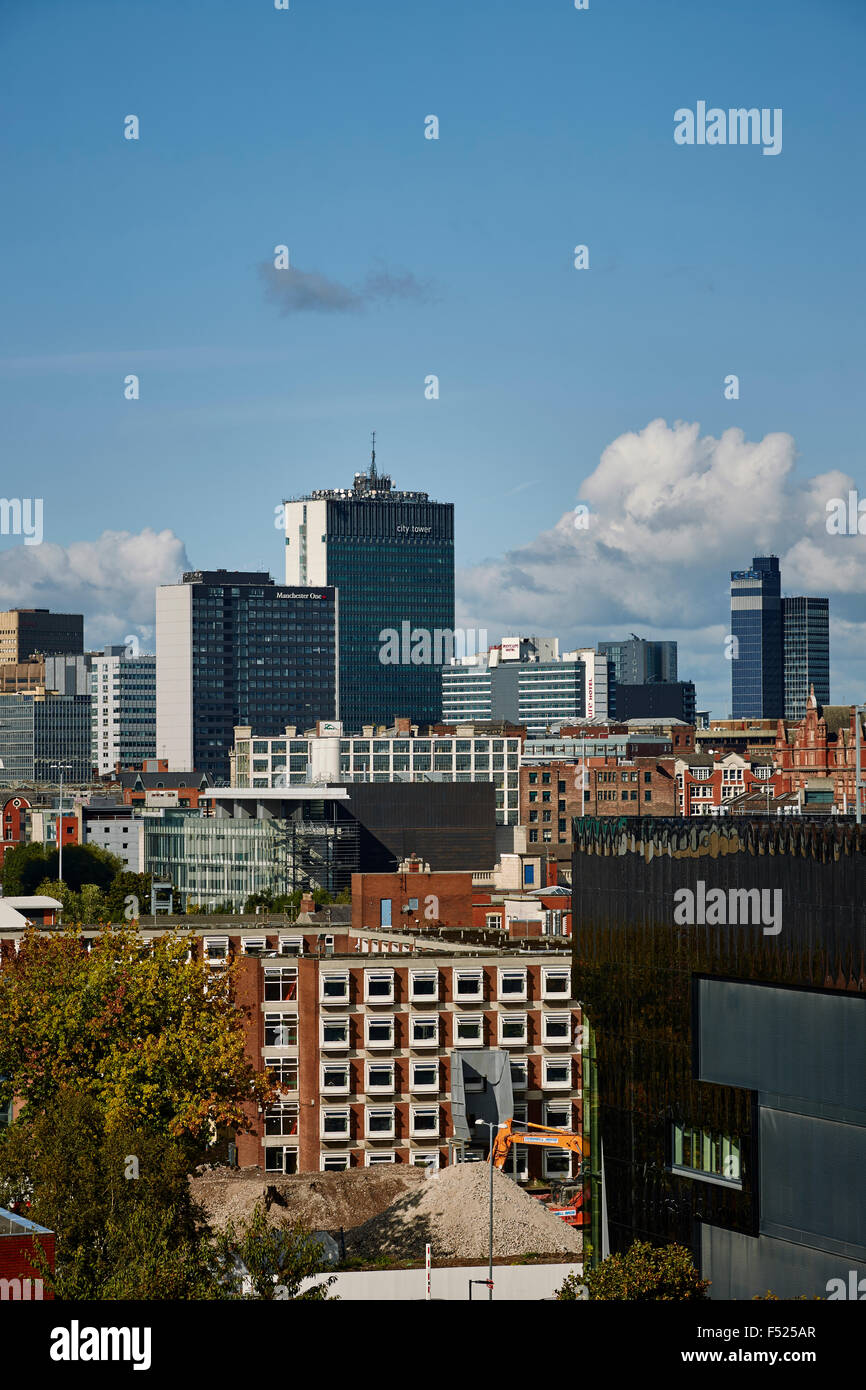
x=53 y=888
x=277 y=1258
x=157 y=1040
x=644 y=1274
x=118 y=1200
x=124 y=887
x=27 y=865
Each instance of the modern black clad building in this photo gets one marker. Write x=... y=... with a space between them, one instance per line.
x=722 y=969
x=234 y=648
x=390 y=556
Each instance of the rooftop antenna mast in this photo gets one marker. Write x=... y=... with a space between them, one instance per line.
x=373 y=459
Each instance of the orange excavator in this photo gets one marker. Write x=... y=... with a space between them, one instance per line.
x=549 y=1138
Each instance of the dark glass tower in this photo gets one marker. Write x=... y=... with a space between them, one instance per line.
x=757 y=675
x=806 y=633
x=637 y=661
x=390 y=555
x=236 y=648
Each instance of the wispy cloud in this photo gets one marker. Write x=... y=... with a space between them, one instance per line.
x=306 y=291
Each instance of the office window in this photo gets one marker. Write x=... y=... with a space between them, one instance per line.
x=557 y=1073
x=519 y=1074
x=336 y=1163
x=335 y=1076
x=556 y=1029
x=379 y=986
x=374 y=1159
x=424 y=1120
x=424 y=985
x=335 y=1033
x=283 y=1072
x=291 y=945
x=696 y=1153
x=469 y=1030
x=557 y=1163
x=468 y=984
x=281 y=1030
x=379 y=1032
x=380 y=1122
x=336 y=1124
x=424 y=1076
x=281 y=1120
x=557 y=1114
x=425 y=1160
x=555 y=983
x=380 y=1076
x=334 y=988
x=281 y=983
x=281 y=1160
x=512 y=984
x=512 y=1030
x=216 y=950
x=424 y=1032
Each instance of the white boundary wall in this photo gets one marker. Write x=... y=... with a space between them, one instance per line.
x=510 y=1283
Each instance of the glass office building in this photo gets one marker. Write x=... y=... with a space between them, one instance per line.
x=637 y=661
x=806 y=634
x=390 y=556
x=39 y=728
x=757 y=674
x=236 y=648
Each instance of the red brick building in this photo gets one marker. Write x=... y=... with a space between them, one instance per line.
x=412 y=897
x=552 y=793
x=15 y=810
x=21 y=1278
x=817 y=757
x=707 y=782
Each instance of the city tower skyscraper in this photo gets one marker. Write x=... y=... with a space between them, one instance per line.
x=390 y=556
x=757 y=670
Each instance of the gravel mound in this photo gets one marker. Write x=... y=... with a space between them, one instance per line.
x=451 y=1213
x=323 y=1201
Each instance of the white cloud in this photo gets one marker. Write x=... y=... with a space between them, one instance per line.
x=671 y=514
x=111 y=580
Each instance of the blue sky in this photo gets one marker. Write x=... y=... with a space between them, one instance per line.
x=306 y=128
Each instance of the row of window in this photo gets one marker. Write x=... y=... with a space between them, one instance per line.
x=336 y=1077
x=467 y=985
x=513 y=1030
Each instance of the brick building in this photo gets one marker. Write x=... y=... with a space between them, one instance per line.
x=551 y=794
x=360 y=1032
x=817 y=757
x=15 y=809
x=21 y=1278
x=707 y=782
x=412 y=897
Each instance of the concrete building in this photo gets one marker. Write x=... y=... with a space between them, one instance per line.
x=123 y=712
x=236 y=648
x=26 y=633
x=401 y=752
x=390 y=555
x=525 y=681
x=115 y=828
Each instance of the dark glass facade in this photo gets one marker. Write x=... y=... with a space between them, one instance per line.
x=806 y=635
x=393 y=564
x=637 y=661
x=725 y=1073
x=668 y=700
x=37 y=730
x=757 y=674
x=263 y=654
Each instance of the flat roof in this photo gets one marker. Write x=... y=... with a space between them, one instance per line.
x=309 y=791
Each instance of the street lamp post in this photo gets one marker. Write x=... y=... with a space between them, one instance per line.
x=63 y=768
x=491 y=1125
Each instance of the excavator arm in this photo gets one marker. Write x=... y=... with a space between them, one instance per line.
x=534 y=1134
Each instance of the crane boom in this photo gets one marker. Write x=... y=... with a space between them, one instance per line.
x=535 y=1134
